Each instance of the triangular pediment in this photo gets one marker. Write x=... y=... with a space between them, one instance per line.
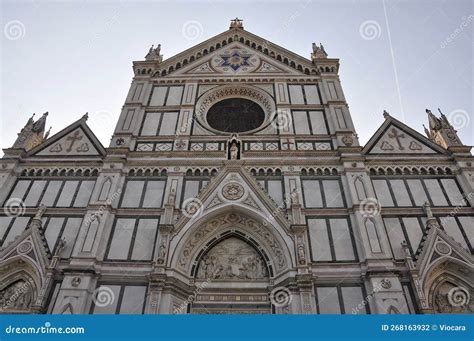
x=235 y=59
x=74 y=140
x=30 y=245
x=394 y=137
x=274 y=58
x=438 y=245
x=233 y=186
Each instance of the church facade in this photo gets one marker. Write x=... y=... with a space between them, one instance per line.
x=234 y=182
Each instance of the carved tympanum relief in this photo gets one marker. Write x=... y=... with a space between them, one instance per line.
x=232 y=259
x=18 y=295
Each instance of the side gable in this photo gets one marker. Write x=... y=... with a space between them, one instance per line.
x=394 y=137
x=75 y=140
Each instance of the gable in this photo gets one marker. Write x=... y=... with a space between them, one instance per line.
x=75 y=140
x=394 y=137
x=235 y=188
x=74 y=143
x=236 y=59
x=397 y=141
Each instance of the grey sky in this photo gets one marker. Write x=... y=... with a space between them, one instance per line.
x=71 y=57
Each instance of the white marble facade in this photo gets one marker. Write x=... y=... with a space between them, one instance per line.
x=284 y=212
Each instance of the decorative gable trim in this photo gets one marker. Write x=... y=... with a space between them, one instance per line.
x=252 y=41
x=437 y=246
x=236 y=59
x=387 y=140
x=219 y=192
x=81 y=149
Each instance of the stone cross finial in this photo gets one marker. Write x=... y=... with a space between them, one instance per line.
x=236 y=23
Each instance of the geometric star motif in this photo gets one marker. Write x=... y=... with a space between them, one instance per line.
x=235 y=60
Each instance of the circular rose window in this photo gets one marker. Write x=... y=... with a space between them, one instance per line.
x=235 y=115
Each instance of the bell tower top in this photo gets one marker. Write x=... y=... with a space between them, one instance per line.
x=236 y=23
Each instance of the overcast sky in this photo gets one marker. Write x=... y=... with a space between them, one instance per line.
x=73 y=57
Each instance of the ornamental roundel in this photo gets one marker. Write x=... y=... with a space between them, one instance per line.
x=24 y=247
x=442 y=248
x=233 y=191
x=235 y=60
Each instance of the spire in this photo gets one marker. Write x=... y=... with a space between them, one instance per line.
x=441 y=131
x=47 y=134
x=427 y=132
x=318 y=51
x=39 y=125
x=236 y=23
x=32 y=133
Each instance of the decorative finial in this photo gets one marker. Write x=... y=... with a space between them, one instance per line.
x=318 y=51
x=441 y=113
x=60 y=247
x=47 y=134
x=236 y=23
x=427 y=132
x=386 y=114
x=40 y=212
x=85 y=117
x=154 y=53
x=428 y=111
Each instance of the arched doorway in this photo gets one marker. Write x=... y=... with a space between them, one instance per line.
x=451 y=288
x=234 y=262
x=233 y=276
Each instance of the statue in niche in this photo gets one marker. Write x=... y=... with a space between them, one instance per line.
x=232 y=259
x=17 y=295
x=233 y=147
x=301 y=254
x=427 y=209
